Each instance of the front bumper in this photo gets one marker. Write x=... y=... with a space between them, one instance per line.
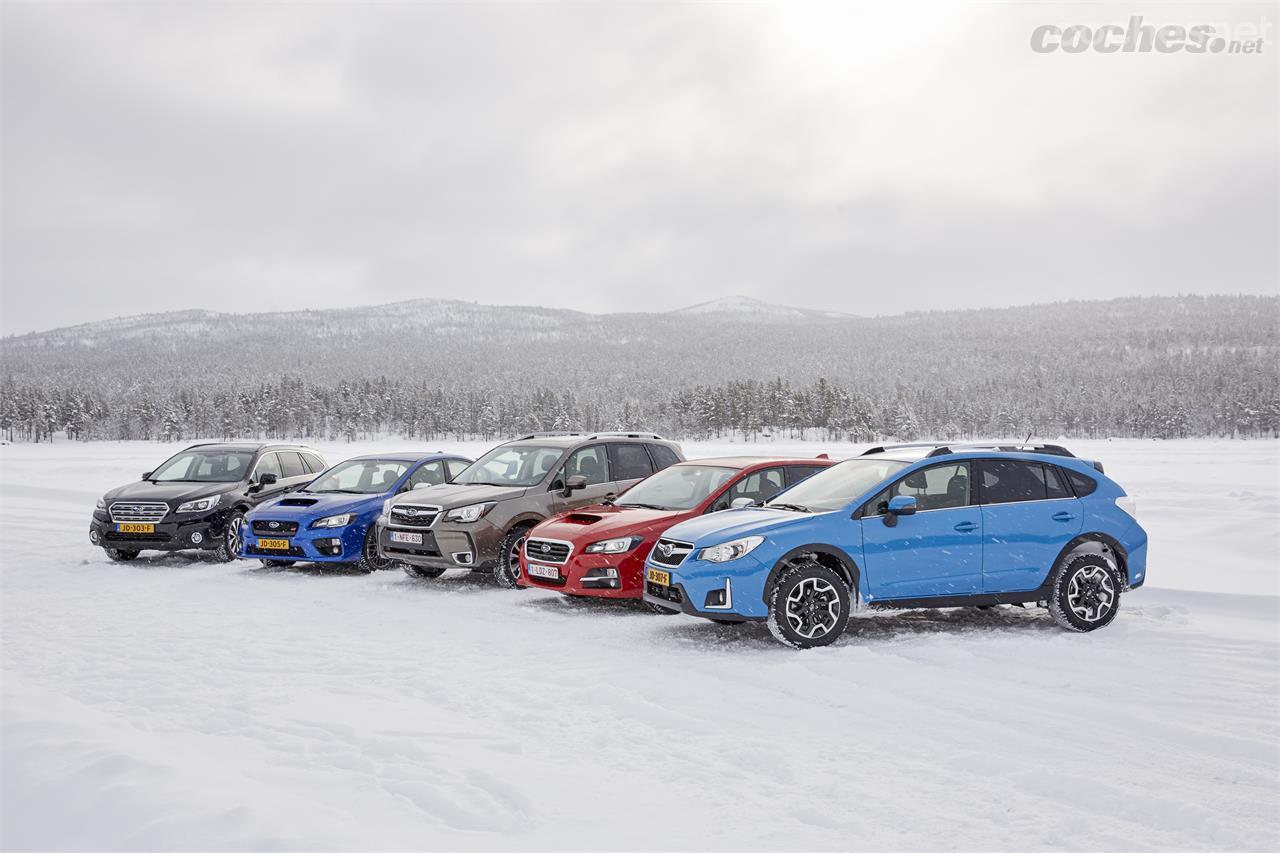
x=584 y=574
x=444 y=546
x=325 y=545
x=174 y=533
x=693 y=582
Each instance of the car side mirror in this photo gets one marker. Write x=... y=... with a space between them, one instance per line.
x=739 y=503
x=899 y=505
x=146 y=475
x=264 y=480
x=572 y=484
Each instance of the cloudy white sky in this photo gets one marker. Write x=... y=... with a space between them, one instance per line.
x=869 y=159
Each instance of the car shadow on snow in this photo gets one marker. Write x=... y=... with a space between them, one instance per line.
x=159 y=560
x=872 y=627
x=313 y=569
x=589 y=607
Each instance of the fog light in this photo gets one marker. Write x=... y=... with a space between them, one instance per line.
x=197 y=537
x=329 y=547
x=606 y=577
x=720 y=599
x=463 y=558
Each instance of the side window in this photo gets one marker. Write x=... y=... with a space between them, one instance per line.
x=629 y=461
x=314 y=463
x=1083 y=484
x=291 y=464
x=268 y=464
x=759 y=486
x=1010 y=480
x=1054 y=485
x=456 y=466
x=796 y=473
x=428 y=474
x=663 y=456
x=591 y=462
x=939 y=487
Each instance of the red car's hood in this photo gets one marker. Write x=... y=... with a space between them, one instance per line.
x=593 y=523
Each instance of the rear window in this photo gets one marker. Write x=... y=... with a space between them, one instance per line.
x=291 y=464
x=314 y=463
x=663 y=456
x=1010 y=481
x=629 y=461
x=1083 y=484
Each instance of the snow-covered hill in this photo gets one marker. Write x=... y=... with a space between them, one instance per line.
x=746 y=307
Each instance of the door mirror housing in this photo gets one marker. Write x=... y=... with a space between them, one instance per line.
x=739 y=503
x=572 y=484
x=264 y=480
x=898 y=506
x=146 y=475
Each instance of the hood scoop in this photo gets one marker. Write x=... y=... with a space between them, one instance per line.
x=297 y=502
x=581 y=518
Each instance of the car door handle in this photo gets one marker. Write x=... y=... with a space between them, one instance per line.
x=967 y=526
x=1064 y=516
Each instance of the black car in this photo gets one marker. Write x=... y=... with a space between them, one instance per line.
x=197 y=499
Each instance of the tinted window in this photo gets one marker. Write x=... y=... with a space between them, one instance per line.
x=1054 y=485
x=1084 y=485
x=291 y=463
x=758 y=486
x=939 y=487
x=796 y=473
x=1009 y=480
x=268 y=464
x=314 y=463
x=663 y=456
x=456 y=466
x=590 y=462
x=428 y=474
x=630 y=461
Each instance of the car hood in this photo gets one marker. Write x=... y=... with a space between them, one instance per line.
x=732 y=524
x=145 y=490
x=593 y=523
x=452 y=495
x=303 y=505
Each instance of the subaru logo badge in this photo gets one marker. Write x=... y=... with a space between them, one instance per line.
x=665 y=550
x=546 y=549
x=273 y=525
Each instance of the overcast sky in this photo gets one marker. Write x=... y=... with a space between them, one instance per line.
x=611 y=157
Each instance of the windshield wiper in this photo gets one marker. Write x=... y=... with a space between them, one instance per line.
x=476 y=483
x=644 y=506
x=792 y=507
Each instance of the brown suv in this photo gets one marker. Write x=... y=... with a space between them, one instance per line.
x=479 y=520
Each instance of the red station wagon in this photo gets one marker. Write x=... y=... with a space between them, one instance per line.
x=600 y=550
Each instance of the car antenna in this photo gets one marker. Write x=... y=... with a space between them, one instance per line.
x=1028 y=440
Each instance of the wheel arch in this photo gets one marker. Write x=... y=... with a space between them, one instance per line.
x=524 y=519
x=1096 y=537
x=834 y=558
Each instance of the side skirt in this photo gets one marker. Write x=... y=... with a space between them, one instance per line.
x=974 y=600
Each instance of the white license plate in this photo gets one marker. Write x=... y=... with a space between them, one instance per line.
x=548 y=572
x=406 y=538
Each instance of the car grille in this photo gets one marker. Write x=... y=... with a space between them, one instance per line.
x=547 y=550
x=414 y=515
x=143 y=512
x=274 y=528
x=669 y=552
x=670 y=593
x=135 y=538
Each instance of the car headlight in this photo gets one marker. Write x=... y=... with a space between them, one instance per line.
x=199 y=504
x=467 y=513
x=102 y=503
x=614 y=546
x=730 y=550
x=386 y=507
x=335 y=520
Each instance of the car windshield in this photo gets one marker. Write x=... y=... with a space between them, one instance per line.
x=204 y=466
x=511 y=465
x=677 y=487
x=360 y=477
x=837 y=486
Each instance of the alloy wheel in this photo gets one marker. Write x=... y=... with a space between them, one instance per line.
x=235 y=535
x=813 y=608
x=1091 y=594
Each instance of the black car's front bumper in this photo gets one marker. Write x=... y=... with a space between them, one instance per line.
x=202 y=532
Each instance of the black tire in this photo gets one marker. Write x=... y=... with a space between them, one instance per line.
x=369 y=560
x=421 y=571
x=507 y=572
x=232 y=539
x=278 y=564
x=1085 y=594
x=120 y=555
x=808 y=605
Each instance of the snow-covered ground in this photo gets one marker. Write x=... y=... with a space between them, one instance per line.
x=173 y=703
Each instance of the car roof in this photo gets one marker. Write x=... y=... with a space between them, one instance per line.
x=744 y=462
x=406 y=456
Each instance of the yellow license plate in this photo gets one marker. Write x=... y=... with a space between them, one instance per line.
x=274 y=544
x=136 y=528
x=660 y=577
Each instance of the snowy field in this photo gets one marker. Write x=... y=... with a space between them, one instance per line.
x=178 y=704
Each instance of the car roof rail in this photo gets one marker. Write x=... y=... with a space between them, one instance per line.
x=546 y=434
x=881 y=448
x=626 y=434
x=1005 y=447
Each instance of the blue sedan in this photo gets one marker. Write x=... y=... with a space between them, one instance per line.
x=333 y=518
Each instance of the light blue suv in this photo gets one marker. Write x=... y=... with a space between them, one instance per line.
x=907 y=526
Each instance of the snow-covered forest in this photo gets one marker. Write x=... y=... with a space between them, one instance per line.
x=431 y=369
